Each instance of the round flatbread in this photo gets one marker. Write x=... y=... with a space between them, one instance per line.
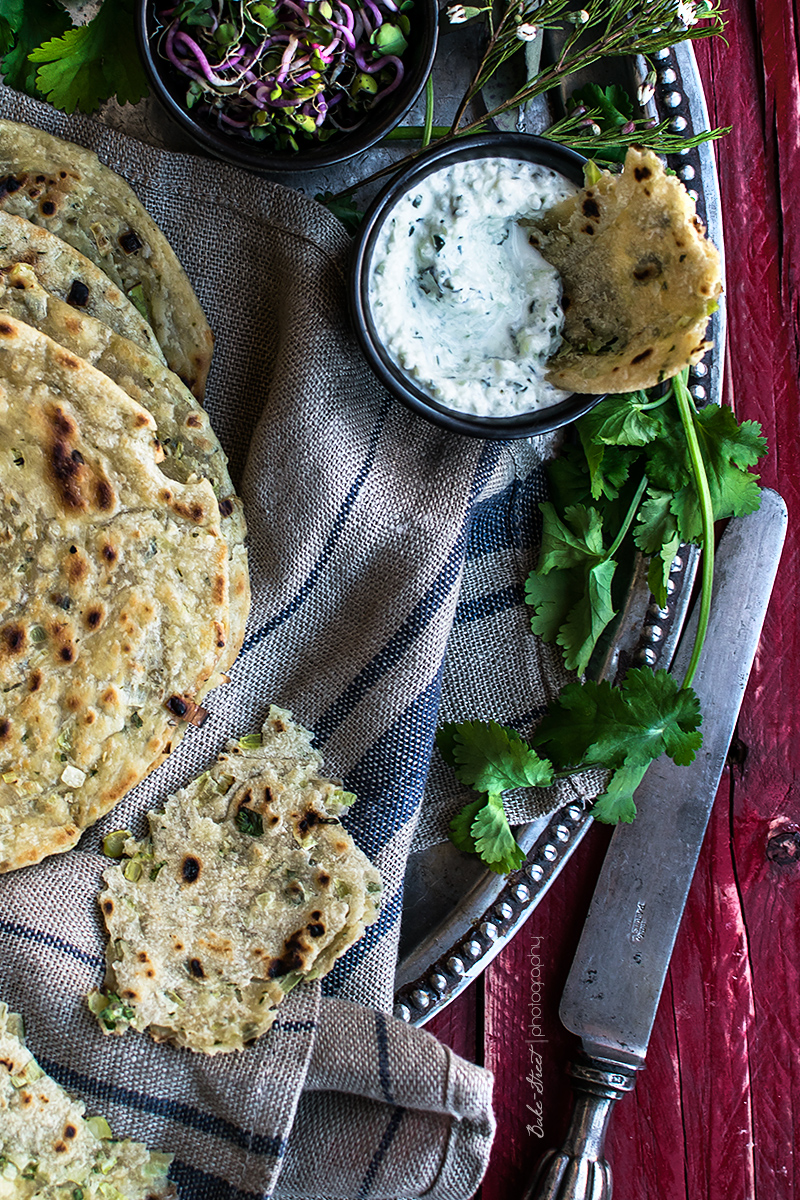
x=191 y=448
x=67 y=274
x=68 y=191
x=247 y=884
x=114 y=595
x=639 y=278
x=49 y=1147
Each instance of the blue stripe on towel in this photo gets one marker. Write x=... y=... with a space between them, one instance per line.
x=398 y=645
x=391 y=776
x=381 y=1152
x=330 y=542
x=384 y=1067
x=389 y=916
x=41 y=938
x=489 y=605
x=511 y=518
x=199 y=1185
x=158 y=1106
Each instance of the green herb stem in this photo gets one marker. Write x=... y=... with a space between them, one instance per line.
x=631 y=513
x=686 y=410
x=428 y=128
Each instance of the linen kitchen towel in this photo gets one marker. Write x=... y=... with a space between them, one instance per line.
x=387 y=562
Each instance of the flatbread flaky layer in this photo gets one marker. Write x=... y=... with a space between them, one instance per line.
x=50 y=1148
x=68 y=191
x=114 y=595
x=247 y=884
x=639 y=279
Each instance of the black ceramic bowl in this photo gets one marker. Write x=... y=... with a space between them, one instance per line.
x=489 y=146
x=170 y=87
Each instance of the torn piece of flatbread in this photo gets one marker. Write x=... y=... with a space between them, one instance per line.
x=247 y=884
x=50 y=1148
x=639 y=278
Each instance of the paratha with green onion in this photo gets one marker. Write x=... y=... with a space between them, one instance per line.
x=114 y=596
x=247 y=884
x=71 y=276
x=639 y=277
x=50 y=1148
x=190 y=446
x=67 y=190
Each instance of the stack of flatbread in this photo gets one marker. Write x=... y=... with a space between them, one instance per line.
x=124 y=588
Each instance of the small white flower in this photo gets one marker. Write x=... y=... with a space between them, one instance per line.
x=457 y=14
x=527 y=32
x=687 y=12
x=647 y=89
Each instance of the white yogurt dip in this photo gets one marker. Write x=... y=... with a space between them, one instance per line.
x=462 y=302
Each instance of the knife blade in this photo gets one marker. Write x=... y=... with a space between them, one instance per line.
x=615 y=983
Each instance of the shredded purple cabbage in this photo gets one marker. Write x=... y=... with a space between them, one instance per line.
x=287 y=72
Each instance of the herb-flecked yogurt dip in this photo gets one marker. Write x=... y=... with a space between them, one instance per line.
x=461 y=301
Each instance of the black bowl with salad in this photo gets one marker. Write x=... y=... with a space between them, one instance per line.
x=287 y=85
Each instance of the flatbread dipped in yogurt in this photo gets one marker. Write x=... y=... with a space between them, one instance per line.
x=50 y=1148
x=247 y=884
x=639 y=277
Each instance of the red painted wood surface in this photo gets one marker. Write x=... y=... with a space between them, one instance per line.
x=715 y=1113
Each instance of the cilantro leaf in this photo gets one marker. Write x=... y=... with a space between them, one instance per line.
x=664 y=718
x=26 y=26
x=572 y=724
x=552 y=597
x=494 y=840
x=571 y=541
x=491 y=757
x=461 y=826
x=589 y=617
x=658 y=570
x=617 y=803
x=655 y=522
x=614 y=103
x=92 y=62
x=568 y=477
x=623 y=420
x=342 y=207
x=595 y=723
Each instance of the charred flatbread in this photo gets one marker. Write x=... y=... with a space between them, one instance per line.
x=247 y=884
x=48 y=1145
x=114 y=595
x=191 y=448
x=67 y=190
x=68 y=274
x=639 y=278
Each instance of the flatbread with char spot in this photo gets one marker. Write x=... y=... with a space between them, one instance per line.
x=639 y=278
x=247 y=884
x=50 y=1148
x=191 y=448
x=114 y=596
x=73 y=278
x=67 y=190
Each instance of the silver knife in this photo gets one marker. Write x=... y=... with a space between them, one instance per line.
x=615 y=982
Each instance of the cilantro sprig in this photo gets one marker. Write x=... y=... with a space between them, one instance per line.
x=72 y=66
x=649 y=471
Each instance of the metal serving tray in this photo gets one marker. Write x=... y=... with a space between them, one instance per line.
x=457 y=915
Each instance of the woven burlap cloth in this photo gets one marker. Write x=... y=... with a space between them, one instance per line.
x=387 y=562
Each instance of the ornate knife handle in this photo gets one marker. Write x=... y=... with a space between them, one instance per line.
x=578 y=1170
